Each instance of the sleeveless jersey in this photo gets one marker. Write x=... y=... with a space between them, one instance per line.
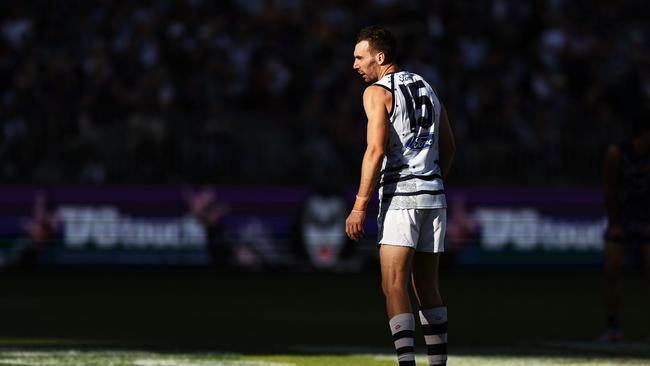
x=633 y=185
x=410 y=176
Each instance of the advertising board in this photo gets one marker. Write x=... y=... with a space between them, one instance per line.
x=294 y=228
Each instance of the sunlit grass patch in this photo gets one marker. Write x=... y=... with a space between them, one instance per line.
x=131 y=358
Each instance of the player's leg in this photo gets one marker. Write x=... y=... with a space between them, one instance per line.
x=614 y=254
x=396 y=264
x=433 y=313
x=425 y=279
x=395 y=269
x=396 y=234
x=426 y=262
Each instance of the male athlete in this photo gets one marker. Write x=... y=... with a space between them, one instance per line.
x=626 y=191
x=409 y=138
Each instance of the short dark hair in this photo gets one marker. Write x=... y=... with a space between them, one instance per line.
x=380 y=39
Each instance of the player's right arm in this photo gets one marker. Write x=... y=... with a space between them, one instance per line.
x=446 y=144
x=610 y=188
x=375 y=100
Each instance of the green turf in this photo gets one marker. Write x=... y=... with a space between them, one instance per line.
x=504 y=318
x=122 y=358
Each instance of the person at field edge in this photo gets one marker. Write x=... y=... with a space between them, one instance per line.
x=410 y=147
x=626 y=191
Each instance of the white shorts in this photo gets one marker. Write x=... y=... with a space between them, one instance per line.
x=420 y=229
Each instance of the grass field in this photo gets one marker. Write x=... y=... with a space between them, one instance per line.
x=206 y=318
x=122 y=358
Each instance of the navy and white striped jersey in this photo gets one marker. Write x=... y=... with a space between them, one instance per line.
x=410 y=176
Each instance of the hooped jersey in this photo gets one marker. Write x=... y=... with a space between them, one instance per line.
x=410 y=176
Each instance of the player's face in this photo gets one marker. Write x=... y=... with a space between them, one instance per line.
x=365 y=62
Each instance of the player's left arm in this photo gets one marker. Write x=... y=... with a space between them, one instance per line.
x=446 y=144
x=375 y=100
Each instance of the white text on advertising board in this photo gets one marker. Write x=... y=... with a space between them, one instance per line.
x=106 y=228
x=526 y=229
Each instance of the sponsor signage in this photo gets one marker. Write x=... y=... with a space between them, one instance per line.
x=524 y=228
x=287 y=227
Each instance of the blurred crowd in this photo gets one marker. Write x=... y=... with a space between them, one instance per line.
x=263 y=91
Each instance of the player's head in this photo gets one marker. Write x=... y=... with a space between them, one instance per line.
x=375 y=49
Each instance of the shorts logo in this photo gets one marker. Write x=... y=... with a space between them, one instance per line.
x=420 y=142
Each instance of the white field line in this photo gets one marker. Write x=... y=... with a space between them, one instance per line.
x=188 y=362
x=130 y=358
x=48 y=361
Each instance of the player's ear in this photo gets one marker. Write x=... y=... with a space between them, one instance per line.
x=380 y=57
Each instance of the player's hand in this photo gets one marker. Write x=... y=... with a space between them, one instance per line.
x=354 y=225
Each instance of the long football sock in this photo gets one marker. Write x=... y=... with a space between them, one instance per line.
x=402 y=327
x=434 y=327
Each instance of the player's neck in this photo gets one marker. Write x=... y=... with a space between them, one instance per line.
x=386 y=69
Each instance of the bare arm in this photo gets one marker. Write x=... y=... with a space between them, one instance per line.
x=446 y=143
x=374 y=103
x=375 y=100
x=610 y=182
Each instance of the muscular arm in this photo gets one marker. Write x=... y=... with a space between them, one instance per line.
x=610 y=177
x=446 y=143
x=375 y=100
x=374 y=103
